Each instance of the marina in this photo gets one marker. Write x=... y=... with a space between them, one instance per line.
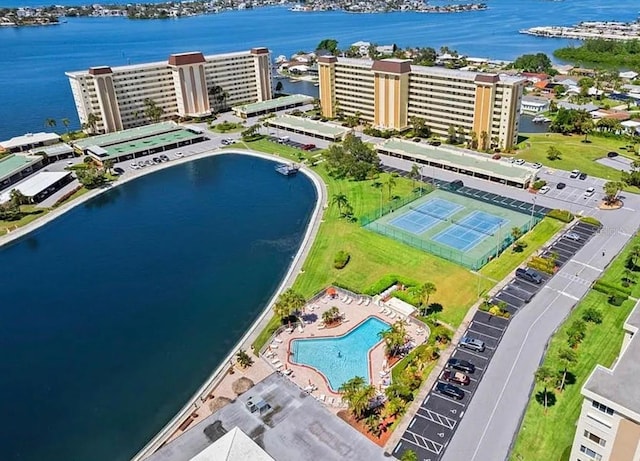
x=609 y=30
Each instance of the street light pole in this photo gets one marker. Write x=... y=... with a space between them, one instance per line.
x=533 y=207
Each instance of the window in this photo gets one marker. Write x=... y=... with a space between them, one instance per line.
x=601 y=407
x=590 y=453
x=594 y=438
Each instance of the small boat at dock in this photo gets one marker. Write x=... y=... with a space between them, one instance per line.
x=287 y=169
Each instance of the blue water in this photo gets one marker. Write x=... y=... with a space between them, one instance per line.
x=113 y=315
x=340 y=359
x=33 y=86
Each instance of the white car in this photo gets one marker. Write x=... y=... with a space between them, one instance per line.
x=520 y=161
x=589 y=192
x=179 y=154
x=574 y=174
x=537 y=165
x=544 y=190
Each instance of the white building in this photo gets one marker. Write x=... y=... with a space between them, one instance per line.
x=187 y=85
x=533 y=105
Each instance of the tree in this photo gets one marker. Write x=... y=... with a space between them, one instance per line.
x=553 y=105
x=576 y=333
x=91 y=177
x=553 y=153
x=516 y=233
x=634 y=255
x=279 y=86
x=424 y=56
x=632 y=177
x=218 y=97
x=17 y=198
x=66 y=123
x=409 y=455
x=544 y=375
x=420 y=127
x=250 y=133
x=592 y=315
x=328 y=44
x=351 y=159
x=357 y=394
x=50 y=122
x=451 y=134
x=538 y=62
x=567 y=356
x=611 y=191
x=414 y=174
x=484 y=136
x=391 y=183
x=92 y=122
x=474 y=140
x=628 y=277
x=426 y=290
x=107 y=165
x=152 y=110
x=394 y=338
x=340 y=200
x=244 y=360
x=288 y=302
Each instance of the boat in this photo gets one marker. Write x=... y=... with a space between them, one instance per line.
x=540 y=119
x=287 y=169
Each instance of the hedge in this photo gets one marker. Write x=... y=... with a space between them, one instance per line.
x=386 y=281
x=610 y=288
x=539 y=184
x=407 y=297
x=341 y=259
x=591 y=220
x=542 y=264
x=561 y=215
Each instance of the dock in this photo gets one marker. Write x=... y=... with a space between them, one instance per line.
x=287 y=169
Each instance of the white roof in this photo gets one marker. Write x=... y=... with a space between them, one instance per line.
x=360 y=43
x=630 y=124
x=35 y=184
x=29 y=138
x=235 y=445
x=628 y=74
x=400 y=306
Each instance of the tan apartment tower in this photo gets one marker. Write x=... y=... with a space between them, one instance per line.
x=609 y=425
x=186 y=85
x=389 y=92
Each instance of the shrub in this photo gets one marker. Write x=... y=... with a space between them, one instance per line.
x=616 y=299
x=388 y=280
x=576 y=333
x=611 y=289
x=539 y=184
x=592 y=315
x=546 y=265
x=591 y=220
x=561 y=215
x=341 y=259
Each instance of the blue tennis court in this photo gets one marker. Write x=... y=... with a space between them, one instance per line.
x=426 y=215
x=470 y=231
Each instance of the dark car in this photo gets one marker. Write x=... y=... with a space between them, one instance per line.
x=417 y=139
x=455 y=185
x=117 y=170
x=529 y=275
x=561 y=185
x=471 y=343
x=450 y=390
x=612 y=154
x=582 y=176
x=461 y=365
x=496 y=156
x=308 y=147
x=435 y=143
x=456 y=377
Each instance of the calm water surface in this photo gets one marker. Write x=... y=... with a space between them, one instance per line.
x=33 y=86
x=114 y=314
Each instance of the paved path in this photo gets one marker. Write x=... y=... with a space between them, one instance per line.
x=493 y=416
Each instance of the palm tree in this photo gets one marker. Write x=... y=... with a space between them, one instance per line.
x=483 y=139
x=634 y=255
x=17 y=198
x=107 y=165
x=426 y=290
x=543 y=376
x=567 y=356
x=66 y=123
x=391 y=183
x=394 y=338
x=409 y=455
x=50 y=122
x=358 y=395
x=288 y=302
x=92 y=122
x=414 y=174
x=341 y=200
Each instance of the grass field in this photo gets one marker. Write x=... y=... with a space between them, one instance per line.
x=34 y=213
x=576 y=154
x=615 y=272
x=500 y=267
x=547 y=437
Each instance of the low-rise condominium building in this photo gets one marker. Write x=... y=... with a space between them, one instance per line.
x=111 y=99
x=389 y=92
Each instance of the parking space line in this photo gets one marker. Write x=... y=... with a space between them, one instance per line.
x=448 y=399
x=587 y=265
x=484 y=334
x=428 y=444
x=437 y=418
x=469 y=351
x=487 y=325
x=563 y=293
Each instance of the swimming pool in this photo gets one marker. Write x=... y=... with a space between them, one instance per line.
x=341 y=358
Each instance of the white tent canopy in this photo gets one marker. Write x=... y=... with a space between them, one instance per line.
x=400 y=306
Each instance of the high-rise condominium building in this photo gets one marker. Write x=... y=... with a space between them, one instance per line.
x=609 y=425
x=389 y=92
x=187 y=85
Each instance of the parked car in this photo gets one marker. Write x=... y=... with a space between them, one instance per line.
x=435 y=143
x=496 y=156
x=462 y=365
x=582 y=176
x=228 y=141
x=574 y=174
x=529 y=275
x=155 y=160
x=450 y=390
x=118 y=171
x=589 y=192
x=520 y=161
x=612 y=154
x=457 y=184
x=179 y=154
x=561 y=185
x=537 y=165
x=308 y=146
x=572 y=236
x=544 y=190
x=417 y=139
x=474 y=344
x=456 y=377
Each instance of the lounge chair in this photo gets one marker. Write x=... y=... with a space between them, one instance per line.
x=360 y=301
x=349 y=300
x=367 y=302
x=300 y=329
x=321 y=326
x=287 y=372
x=332 y=401
x=382 y=310
x=278 y=340
x=275 y=361
x=322 y=397
x=392 y=315
x=274 y=345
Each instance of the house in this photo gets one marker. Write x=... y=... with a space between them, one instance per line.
x=570 y=106
x=567 y=81
x=583 y=72
x=611 y=113
x=628 y=75
x=534 y=105
x=535 y=77
x=363 y=47
x=386 y=49
x=632 y=127
x=563 y=69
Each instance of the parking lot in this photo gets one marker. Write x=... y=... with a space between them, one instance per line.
x=436 y=421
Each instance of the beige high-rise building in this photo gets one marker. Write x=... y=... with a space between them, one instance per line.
x=187 y=85
x=389 y=92
x=609 y=425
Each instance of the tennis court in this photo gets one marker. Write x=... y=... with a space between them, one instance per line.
x=420 y=218
x=459 y=228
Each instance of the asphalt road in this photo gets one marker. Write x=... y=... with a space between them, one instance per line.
x=493 y=416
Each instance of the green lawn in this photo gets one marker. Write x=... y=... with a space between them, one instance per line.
x=274 y=148
x=34 y=213
x=500 y=267
x=231 y=127
x=547 y=437
x=615 y=271
x=576 y=154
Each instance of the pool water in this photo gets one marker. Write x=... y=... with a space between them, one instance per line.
x=341 y=358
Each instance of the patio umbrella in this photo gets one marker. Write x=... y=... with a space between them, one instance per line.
x=218 y=403
x=331 y=291
x=241 y=385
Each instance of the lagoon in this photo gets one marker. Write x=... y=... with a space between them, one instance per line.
x=33 y=85
x=116 y=312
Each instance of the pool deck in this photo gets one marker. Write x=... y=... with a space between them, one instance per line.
x=304 y=376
